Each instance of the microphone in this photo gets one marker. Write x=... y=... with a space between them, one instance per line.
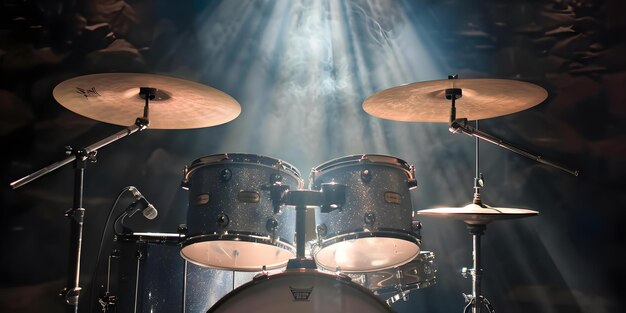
x=141 y=204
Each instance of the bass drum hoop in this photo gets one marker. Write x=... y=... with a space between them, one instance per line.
x=300 y=272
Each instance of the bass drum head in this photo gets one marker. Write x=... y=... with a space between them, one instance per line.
x=302 y=292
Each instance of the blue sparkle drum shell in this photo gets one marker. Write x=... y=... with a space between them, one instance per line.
x=231 y=223
x=148 y=275
x=372 y=230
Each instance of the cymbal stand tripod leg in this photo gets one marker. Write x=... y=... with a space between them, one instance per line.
x=476 y=300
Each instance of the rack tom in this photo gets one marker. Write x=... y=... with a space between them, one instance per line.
x=372 y=230
x=231 y=221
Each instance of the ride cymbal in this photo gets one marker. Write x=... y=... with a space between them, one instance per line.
x=114 y=98
x=478 y=214
x=426 y=101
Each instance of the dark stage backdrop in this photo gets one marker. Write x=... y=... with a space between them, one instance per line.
x=301 y=70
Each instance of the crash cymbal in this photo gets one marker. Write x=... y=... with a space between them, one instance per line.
x=426 y=101
x=114 y=98
x=478 y=214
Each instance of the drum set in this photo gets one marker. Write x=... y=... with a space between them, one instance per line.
x=244 y=245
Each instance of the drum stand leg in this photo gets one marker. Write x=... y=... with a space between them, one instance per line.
x=476 y=300
x=300 y=261
x=300 y=199
x=300 y=231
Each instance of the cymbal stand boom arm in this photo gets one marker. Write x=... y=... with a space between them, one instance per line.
x=91 y=149
x=76 y=214
x=461 y=126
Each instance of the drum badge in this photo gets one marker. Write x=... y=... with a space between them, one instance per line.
x=301 y=294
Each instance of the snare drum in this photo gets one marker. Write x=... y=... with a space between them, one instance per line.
x=372 y=230
x=231 y=220
x=148 y=275
x=302 y=291
x=421 y=272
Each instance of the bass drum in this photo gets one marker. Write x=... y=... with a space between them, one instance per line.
x=301 y=291
x=148 y=275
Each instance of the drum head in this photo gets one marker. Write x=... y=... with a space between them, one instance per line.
x=237 y=255
x=301 y=292
x=366 y=254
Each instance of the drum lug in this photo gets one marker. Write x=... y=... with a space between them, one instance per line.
x=369 y=219
x=223 y=220
x=416 y=226
x=226 y=175
x=366 y=176
x=184 y=184
x=412 y=182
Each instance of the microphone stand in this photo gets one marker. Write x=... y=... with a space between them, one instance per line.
x=76 y=214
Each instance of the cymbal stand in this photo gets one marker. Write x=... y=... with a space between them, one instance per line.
x=476 y=300
x=76 y=214
x=460 y=125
